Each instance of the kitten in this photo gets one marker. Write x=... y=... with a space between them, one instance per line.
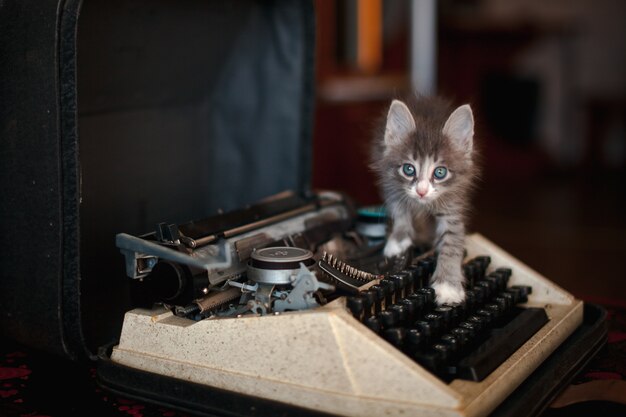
x=425 y=164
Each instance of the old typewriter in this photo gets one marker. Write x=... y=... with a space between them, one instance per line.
x=291 y=301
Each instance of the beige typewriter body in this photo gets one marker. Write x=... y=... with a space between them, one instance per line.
x=326 y=360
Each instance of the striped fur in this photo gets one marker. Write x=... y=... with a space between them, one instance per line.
x=424 y=209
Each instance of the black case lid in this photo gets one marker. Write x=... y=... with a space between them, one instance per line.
x=118 y=115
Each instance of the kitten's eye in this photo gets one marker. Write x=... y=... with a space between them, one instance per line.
x=440 y=173
x=408 y=170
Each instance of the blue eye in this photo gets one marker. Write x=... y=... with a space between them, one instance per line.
x=408 y=170
x=440 y=173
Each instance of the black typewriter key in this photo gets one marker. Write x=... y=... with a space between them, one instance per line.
x=452 y=342
x=429 y=293
x=390 y=290
x=473 y=268
x=494 y=286
x=421 y=277
x=413 y=339
x=400 y=281
x=520 y=294
x=508 y=296
x=416 y=278
x=480 y=295
x=458 y=313
x=403 y=314
x=411 y=307
x=379 y=297
x=485 y=259
x=388 y=318
x=507 y=272
x=410 y=279
x=420 y=301
x=480 y=271
x=470 y=301
x=428 y=264
x=471 y=327
x=396 y=285
x=395 y=336
x=444 y=351
x=500 y=279
x=503 y=279
x=436 y=322
x=481 y=321
x=373 y=323
x=356 y=307
x=445 y=312
x=488 y=315
x=369 y=302
x=483 y=263
x=425 y=264
x=487 y=290
x=516 y=294
x=495 y=309
x=405 y=277
x=420 y=296
x=505 y=301
x=426 y=329
x=463 y=336
x=524 y=291
x=469 y=270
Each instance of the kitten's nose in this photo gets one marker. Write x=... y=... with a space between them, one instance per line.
x=421 y=188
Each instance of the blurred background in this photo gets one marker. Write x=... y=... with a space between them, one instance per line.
x=547 y=84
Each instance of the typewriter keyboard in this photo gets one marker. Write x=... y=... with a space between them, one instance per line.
x=466 y=341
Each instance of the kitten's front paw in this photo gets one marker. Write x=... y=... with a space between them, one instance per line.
x=448 y=292
x=396 y=247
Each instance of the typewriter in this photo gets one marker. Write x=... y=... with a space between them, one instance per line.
x=291 y=301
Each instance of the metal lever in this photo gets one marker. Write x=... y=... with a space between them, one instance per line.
x=134 y=248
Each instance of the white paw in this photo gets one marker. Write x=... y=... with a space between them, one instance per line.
x=395 y=247
x=447 y=293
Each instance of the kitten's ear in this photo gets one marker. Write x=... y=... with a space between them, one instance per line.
x=400 y=123
x=460 y=127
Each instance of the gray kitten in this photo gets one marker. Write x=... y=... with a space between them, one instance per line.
x=425 y=164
